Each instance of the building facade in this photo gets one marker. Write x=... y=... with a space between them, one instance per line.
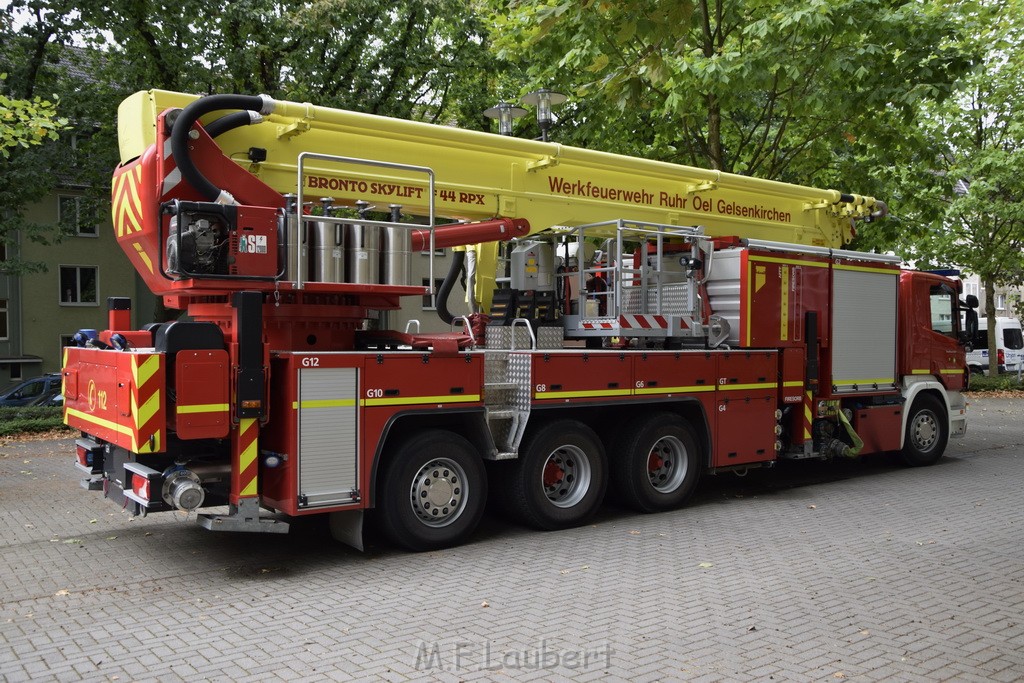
x=39 y=312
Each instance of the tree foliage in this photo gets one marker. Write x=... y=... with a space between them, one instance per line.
x=781 y=89
x=409 y=59
x=968 y=210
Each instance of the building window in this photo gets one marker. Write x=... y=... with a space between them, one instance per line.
x=971 y=288
x=3 y=319
x=66 y=340
x=69 y=211
x=79 y=285
x=428 y=304
x=16 y=372
x=1000 y=302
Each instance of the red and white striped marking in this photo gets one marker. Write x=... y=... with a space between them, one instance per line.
x=643 y=322
x=590 y=325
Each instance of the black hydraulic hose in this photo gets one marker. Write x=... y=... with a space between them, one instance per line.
x=187 y=118
x=230 y=122
x=458 y=259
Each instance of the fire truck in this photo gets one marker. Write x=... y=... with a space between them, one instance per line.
x=630 y=327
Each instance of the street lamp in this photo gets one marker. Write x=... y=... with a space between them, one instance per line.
x=504 y=112
x=543 y=99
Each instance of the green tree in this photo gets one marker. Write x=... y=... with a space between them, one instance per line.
x=782 y=89
x=410 y=59
x=968 y=210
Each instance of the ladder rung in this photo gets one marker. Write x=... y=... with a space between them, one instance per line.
x=501 y=414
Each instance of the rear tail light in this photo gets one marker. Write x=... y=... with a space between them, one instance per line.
x=1001 y=357
x=84 y=456
x=140 y=486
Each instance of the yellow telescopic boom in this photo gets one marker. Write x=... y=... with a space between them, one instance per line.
x=482 y=175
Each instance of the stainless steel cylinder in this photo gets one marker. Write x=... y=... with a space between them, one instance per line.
x=396 y=251
x=363 y=251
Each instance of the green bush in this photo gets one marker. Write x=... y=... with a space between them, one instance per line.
x=1004 y=382
x=37 y=419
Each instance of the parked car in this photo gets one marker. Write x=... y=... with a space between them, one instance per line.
x=1009 y=346
x=30 y=392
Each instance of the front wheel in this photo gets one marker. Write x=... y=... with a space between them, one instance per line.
x=560 y=477
x=927 y=432
x=433 y=491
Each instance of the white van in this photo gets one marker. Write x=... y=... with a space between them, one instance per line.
x=1009 y=345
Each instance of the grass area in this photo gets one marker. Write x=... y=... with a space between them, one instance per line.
x=31 y=420
x=1004 y=382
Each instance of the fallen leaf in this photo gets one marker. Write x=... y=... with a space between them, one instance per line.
x=63 y=591
x=485 y=604
x=839 y=674
x=92 y=521
x=634 y=532
x=705 y=565
x=812 y=507
x=751 y=628
x=865 y=632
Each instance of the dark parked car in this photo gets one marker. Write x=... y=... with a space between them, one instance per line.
x=32 y=392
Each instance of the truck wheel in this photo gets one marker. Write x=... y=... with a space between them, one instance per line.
x=433 y=491
x=657 y=463
x=560 y=477
x=927 y=432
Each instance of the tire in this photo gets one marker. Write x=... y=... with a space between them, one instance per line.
x=433 y=491
x=560 y=477
x=656 y=463
x=927 y=432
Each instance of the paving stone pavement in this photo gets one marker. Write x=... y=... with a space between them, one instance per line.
x=859 y=570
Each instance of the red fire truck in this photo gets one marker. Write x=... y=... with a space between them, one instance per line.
x=630 y=325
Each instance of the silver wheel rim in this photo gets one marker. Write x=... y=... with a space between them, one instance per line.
x=925 y=430
x=439 y=492
x=666 y=464
x=565 y=476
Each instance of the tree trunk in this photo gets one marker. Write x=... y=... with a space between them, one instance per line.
x=990 y=316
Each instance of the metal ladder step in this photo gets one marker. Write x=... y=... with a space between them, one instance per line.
x=500 y=385
x=501 y=414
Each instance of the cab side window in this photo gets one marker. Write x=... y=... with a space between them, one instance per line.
x=943 y=308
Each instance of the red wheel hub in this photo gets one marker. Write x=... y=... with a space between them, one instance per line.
x=553 y=474
x=654 y=462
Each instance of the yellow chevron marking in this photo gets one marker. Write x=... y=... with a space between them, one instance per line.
x=144 y=256
x=148 y=368
x=248 y=455
x=149 y=409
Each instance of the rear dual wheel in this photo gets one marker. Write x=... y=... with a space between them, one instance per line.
x=657 y=463
x=433 y=491
x=560 y=476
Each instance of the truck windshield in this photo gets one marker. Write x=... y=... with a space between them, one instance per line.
x=942 y=305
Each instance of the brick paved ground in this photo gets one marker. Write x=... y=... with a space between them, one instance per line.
x=850 y=571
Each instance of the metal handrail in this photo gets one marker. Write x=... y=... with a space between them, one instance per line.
x=300 y=219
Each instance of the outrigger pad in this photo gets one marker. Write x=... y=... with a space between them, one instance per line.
x=243 y=517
